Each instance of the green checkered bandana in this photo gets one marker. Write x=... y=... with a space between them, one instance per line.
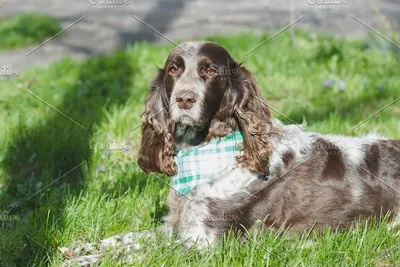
x=200 y=163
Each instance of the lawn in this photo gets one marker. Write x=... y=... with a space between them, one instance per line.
x=59 y=184
x=26 y=29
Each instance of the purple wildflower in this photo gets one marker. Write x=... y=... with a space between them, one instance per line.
x=342 y=85
x=101 y=168
x=328 y=83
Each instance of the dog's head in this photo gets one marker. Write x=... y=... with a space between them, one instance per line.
x=202 y=93
x=197 y=82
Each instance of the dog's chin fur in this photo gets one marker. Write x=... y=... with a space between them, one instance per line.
x=186 y=121
x=188 y=118
x=188 y=134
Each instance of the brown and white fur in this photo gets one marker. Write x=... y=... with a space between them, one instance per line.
x=287 y=178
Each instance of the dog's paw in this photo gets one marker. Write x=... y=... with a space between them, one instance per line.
x=86 y=261
x=394 y=225
x=117 y=241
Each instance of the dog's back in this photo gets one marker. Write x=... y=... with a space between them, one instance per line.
x=318 y=181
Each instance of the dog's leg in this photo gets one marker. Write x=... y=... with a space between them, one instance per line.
x=395 y=223
x=200 y=226
x=122 y=246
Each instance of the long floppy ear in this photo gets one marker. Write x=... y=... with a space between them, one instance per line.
x=157 y=145
x=254 y=119
x=224 y=121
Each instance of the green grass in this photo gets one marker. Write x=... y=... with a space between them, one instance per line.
x=109 y=195
x=26 y=29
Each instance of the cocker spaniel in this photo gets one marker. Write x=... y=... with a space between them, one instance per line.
x=285 y=177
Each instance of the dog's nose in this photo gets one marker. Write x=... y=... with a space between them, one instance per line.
x=186 y=100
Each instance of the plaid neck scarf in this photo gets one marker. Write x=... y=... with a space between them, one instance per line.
x=200 y=163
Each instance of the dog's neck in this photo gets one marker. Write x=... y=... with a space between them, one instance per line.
x=186 y=135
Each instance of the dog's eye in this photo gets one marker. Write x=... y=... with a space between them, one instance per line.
x=211 y=71
x=173 y=70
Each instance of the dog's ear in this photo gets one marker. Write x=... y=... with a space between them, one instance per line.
x=255 y=121
x=224 y=121
x=156 y=152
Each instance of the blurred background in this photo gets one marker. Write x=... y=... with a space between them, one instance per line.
x=109 y=25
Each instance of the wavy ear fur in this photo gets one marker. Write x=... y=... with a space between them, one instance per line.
x=255 y=121
x=244 y=106
x=157 y=145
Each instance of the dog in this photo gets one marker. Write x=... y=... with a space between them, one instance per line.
x=285 y=178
